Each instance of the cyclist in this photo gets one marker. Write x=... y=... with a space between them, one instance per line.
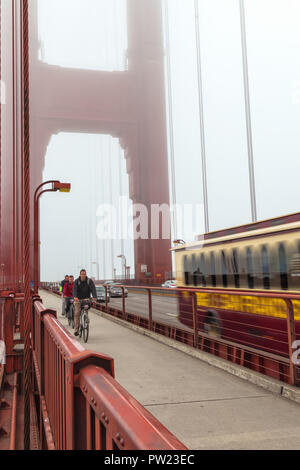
x=68 y=293
x=83 y=289
x=61 y=290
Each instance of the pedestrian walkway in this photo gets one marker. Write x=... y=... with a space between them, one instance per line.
x=205 y=407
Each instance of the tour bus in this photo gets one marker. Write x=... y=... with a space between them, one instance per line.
x=259 y=257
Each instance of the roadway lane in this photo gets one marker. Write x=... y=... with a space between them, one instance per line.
x=164 y=307
x=205 y=407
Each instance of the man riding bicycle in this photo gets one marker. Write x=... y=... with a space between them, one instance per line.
x=83 y=289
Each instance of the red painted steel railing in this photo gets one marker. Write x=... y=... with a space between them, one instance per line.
x=11 y=324
x=276 y=361
x=80 y=405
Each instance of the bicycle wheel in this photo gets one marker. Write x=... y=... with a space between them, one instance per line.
x=72 y=322
x=81 y=327
x=86 y=328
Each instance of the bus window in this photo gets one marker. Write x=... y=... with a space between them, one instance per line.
x=265 y=267
x=213 y=270
x=195 y=271
x=203 y=270
x=250 y=269
x=224 y=269
x=235 y=263
x=283 y=267
x=187 y=270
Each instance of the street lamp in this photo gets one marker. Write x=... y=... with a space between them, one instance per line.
x=124 y=264
x=56 y=186
x=98 y=273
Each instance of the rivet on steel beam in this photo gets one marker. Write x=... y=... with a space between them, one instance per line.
x=118 y=436
x=107 y=420
x=103 y=416
x=122 y=442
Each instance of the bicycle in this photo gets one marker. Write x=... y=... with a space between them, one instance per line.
x=70 y=313
x=84 y=326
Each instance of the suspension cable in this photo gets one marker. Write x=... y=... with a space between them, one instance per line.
x=171 y=117
x=248 y=112
x=201 y=115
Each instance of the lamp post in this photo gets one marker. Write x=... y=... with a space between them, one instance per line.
x=124 y=264
x=98 y=272
x=56 y=186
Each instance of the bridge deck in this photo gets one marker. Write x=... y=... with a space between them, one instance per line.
x=206 y=408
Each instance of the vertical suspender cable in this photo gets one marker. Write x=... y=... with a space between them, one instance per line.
x=248 y=112
x=96 y=176
x=111 y=201
x=201 y=115
x=170 y=111
x=24 y=26
x=121 y=195
x=102 y=166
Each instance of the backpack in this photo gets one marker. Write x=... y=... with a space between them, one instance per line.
x=88 y=281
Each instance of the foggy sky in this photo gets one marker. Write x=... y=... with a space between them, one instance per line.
x=92 y=35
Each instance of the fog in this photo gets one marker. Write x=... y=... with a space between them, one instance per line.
x=92 y=35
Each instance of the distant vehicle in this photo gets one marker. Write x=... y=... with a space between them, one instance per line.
x=169 y=285
x=101 y=294
x=108 y=284
x=116 y=290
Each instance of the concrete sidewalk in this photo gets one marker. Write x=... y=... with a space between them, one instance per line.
x=205 y=407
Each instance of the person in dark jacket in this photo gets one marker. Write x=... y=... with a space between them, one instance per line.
x=84 y=288
x=61 y=289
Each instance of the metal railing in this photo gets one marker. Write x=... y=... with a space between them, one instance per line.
x=241 y=342
x=81 y=406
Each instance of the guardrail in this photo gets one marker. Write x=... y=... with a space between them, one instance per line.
x=276 y=360
x=81 y=406
x=11 y=333
x=12 y=328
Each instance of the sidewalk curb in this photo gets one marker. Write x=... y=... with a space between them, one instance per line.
x=267 y=383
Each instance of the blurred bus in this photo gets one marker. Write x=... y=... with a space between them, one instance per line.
x=258 y=257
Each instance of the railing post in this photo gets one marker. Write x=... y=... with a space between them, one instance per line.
x=195 y=320
x=291 y=338
x=124 y=304
x=106 y=298
x=9 y=327
x=150 y=309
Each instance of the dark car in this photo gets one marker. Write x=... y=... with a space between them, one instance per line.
x=116 y=290
x=101 y=294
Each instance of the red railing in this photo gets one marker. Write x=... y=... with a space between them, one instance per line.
x=276 y=360
x=80 y=405
x=11 y=333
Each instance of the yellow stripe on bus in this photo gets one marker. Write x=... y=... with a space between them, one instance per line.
x=270 y=307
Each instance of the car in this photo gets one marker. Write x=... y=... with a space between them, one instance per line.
x=169 y=285
x=115 y=290
x=101 y=294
